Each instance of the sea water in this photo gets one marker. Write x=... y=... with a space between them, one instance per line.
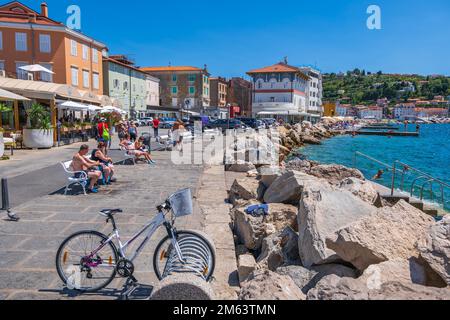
x=430 y=153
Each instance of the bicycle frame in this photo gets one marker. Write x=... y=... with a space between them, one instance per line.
x=151 y=227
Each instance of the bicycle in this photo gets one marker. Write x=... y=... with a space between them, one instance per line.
x=89 y=261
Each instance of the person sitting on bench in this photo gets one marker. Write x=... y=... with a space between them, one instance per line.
x=81 y=163
x=132 y=151
x=106 y=163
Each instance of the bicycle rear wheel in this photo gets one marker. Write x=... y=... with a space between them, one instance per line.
x=198 y=252
x=79 y=268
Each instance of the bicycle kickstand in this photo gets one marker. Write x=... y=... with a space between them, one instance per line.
x=130 y=287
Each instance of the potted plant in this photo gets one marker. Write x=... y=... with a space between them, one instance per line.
x=39 y=132
x=3 y=109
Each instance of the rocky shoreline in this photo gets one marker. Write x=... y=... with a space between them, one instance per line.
x=328 y=234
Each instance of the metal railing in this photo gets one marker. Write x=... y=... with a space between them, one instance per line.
x=423 y=177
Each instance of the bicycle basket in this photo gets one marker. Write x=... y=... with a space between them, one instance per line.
x=181 y=203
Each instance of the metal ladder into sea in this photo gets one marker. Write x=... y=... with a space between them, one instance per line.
x=412 y=192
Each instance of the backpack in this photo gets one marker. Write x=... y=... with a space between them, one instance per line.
x=106 y=135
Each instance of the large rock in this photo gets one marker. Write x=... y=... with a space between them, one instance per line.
x=268 y=174
x=252 y=230
x=241 y=166
x=399 y=270
x=362 y=189
x=310 y=140
x=434 y=248
x=279 y=249
x=300 y=165
x=389 y=234
x=335 y=173
x=324 y=210
x=334 y=288
x=267 y=285
x=307 y=279
x=244 y=189
x=246 y=266
x=288 y=188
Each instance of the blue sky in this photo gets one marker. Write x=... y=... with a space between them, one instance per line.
x=233 y=36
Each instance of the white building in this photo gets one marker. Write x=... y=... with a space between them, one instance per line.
x=152 y=99
x=404 y=111
x=279 y=91
x=372 y=112
x=314 y=91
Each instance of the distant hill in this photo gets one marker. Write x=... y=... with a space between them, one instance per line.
x=361 y=87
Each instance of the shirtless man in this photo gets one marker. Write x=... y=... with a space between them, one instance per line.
x=81 y=163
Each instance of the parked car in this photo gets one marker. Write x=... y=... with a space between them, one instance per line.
x=167 y=123
x=144 y=122
x=269 y=122
x=225 y=124
x=252 y=123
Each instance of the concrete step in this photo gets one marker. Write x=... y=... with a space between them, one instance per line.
x=431 y=212
x=417 y=204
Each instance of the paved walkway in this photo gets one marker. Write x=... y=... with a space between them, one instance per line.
x=28 y=248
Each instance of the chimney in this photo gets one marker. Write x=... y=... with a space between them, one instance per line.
x=44 y=9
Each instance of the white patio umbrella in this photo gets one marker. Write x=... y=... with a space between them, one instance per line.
x=36 y=68
x=93 y=108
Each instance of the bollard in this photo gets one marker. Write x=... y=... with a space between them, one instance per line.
x=5 y=201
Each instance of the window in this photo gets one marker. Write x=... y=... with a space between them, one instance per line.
x=192 y=77
x=73 y=48
x=174 y=90
x=2 y=65
x=116 y=84
x=95 y=81
x=45 y=45
x=21 y=74
x=45 y=76
x=85 y=78
x=191 y=90
x=125 y=85
x=21 y=41
x=85 y=52
x=174 y=78
x=94 y=55
x=1 y=40
x=74 y=71
x=272 y=99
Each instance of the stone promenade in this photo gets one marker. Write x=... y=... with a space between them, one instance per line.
x=28 y=247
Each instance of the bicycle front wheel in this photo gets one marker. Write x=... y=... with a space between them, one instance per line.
x=198 y=252
x=85 y=262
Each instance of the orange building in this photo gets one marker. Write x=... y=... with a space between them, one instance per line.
x=28 y=37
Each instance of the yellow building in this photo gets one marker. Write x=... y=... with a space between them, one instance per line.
x=329 y=109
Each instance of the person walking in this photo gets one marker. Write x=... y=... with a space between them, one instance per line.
x=156 y=123
x=133 y=132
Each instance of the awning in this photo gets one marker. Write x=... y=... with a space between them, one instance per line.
x=274 y=113
x=74 y=106
x=109 y=109
x=93 y=108
x=9 y=96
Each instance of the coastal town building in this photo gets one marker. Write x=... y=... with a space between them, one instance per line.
x=280 y=91
x=29 y=37
x=130 y=86
x=405 y=111
x=182 y=87
x=329 y=109
x=314 y=91
x=239 y=95
x=370 y=112
x=218 y=87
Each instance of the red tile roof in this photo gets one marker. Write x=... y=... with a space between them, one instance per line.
x=277 y=68
x=16 y=12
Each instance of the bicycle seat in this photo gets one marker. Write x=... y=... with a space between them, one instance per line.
x=110 y=212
